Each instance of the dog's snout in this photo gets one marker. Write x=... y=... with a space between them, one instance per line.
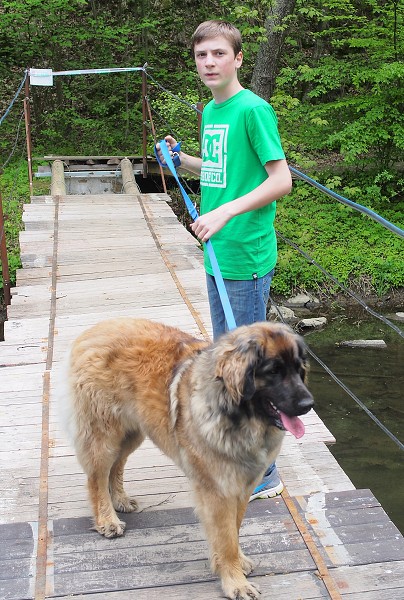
x=305 y=404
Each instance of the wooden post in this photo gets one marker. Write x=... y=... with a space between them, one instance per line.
x=27 y=115
x=58 y=186
x=4 y=258
x=128 y=179
x=144 y=116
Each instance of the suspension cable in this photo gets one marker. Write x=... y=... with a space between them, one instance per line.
x=14 y=99
x=363 y=209
x=345 y=387
x=347 y=290
x=192 y=106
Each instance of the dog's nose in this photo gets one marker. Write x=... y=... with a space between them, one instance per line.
x=305 y=404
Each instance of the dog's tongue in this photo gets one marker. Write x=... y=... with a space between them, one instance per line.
x=293 y=424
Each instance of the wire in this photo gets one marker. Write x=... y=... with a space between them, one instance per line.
x=367 y=211
x=348 y=291
x=345 y=388
x=14 y=99
x=192 y=106
x=15 y=143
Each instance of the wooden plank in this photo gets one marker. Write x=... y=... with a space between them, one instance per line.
x=169 y=574
x=377 y=581
x=296 y=586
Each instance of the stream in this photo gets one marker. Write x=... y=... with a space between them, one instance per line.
x=376 y=376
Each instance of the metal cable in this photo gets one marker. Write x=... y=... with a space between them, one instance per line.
x=367 y=211
x=15 y=143
x=345 y=387
x=192 y=106
x=348 y=291
x=14 y=99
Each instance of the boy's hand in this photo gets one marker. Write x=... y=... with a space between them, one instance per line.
x=207 y=225
x=171 y=143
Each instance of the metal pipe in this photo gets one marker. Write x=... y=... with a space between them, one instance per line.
x=163 y=179
x=4 y=258
x=27 y=115
x=144 y=116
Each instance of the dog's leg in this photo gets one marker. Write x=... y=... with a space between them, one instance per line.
x=106 y=521
x=246 y=563
x=97 y=459
x=121 y=501
x=220 y=518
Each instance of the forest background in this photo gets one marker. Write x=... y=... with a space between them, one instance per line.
x=332 y=69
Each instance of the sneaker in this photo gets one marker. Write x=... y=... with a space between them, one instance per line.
x=270 y=487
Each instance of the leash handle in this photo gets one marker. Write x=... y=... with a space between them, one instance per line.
x=221 y=288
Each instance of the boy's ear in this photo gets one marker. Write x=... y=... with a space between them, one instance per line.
x=239 y=59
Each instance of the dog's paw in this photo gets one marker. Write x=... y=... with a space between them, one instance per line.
x=246 y=564
x=111 y=530
x=125 y=504
x=246 y=591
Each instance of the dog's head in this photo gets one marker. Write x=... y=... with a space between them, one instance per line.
x=263 y=368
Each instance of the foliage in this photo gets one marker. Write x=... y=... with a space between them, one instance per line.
x=343 y=66
x=177 y=116
x=338 y=98
x=354 y=249
x=15 y=192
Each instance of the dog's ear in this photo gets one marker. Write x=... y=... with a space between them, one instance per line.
x=304 y=368
x=235 y=366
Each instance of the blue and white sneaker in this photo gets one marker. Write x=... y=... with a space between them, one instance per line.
x=270 y=486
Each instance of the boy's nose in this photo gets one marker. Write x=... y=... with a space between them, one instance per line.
x=210 y=59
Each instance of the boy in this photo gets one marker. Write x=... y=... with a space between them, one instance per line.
x=242 y=171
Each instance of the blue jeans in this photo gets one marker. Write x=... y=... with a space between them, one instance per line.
x=248 y=300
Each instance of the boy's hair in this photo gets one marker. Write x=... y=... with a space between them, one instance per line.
x=211 y=29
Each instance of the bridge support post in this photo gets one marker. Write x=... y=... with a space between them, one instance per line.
x=4 y=258
x=58 y=185
x=128 y=179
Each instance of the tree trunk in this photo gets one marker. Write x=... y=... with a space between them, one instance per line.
x=267 y=62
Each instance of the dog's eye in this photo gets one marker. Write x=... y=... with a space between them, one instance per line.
x=270 y=368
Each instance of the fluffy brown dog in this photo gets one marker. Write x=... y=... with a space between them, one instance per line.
x=218 y=410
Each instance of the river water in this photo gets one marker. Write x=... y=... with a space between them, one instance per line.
x=376 y=376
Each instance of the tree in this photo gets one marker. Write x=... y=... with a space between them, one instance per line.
x=269 y=54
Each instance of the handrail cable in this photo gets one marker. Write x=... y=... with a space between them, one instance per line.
x=14 y=99
x=347 y=290
x=192 y=106
x=363 y=209
x=15 y=143
x=345 y=387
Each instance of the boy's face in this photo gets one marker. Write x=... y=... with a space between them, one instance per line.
x=216 y=64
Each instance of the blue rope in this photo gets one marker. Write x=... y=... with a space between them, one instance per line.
x=354 y=205
x=14 y=99
x=221 y=288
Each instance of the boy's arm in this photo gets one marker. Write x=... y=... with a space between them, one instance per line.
x=277 y=184
x=191 y=164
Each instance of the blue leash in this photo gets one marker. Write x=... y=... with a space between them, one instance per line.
x=228 y=312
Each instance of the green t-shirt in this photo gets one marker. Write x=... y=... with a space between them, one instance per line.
x=239 y=137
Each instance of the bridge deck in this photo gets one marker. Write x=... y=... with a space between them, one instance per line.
x=87 y=258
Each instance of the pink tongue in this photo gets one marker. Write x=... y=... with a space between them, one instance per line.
x=293 y=424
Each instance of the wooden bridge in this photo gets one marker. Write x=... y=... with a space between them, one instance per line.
x=87 y=258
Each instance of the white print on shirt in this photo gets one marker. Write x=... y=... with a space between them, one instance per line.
x=214 y=156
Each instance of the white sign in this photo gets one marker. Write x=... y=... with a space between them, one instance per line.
x=41 y=77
